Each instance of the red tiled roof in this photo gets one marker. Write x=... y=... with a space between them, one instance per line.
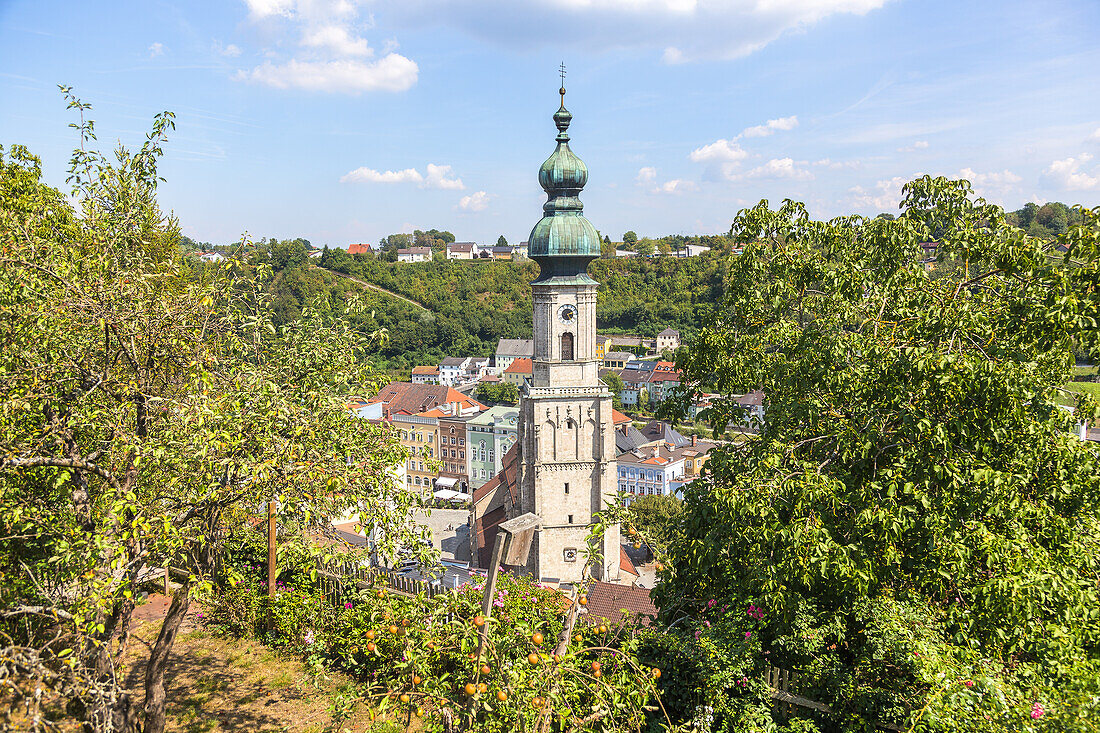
x=425 y=370
x=356 y=249
x=625 y=563
x=409 y=398
x=618 y=418
x=607 y=602
x=520 y=366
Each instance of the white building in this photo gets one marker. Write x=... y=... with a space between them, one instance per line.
x=452 y=370
x=414 y=254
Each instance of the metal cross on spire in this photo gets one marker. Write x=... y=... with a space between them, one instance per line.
x=561 y=70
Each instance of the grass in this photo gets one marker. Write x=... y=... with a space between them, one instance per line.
x=223 y=685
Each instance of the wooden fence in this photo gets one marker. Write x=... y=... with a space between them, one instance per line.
x=782 y=680
x=336 y=577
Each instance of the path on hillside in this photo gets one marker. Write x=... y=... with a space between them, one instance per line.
x=376 y=288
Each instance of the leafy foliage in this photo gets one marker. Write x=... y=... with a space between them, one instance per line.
x=147 y=412
x=914 y=516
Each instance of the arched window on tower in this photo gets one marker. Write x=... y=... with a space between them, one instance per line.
x=567 y=346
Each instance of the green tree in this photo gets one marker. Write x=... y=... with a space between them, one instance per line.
x=645 y=246
x=656 y=518
x=914 y=529
x=147 y=414
x=501 y=241
x=615 y=384
x=630 y=239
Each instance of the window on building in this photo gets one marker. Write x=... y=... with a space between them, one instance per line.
x=567 y=346
x=570 y=518
x=567 y=487
x=462 y=441
x=490 y=455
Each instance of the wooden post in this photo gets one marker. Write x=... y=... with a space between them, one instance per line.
x=500 y=547
x=270 y=560
x=167 y=588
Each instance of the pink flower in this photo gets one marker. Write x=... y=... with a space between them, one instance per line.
x=748 y=634
x=712 y=603
x=698 y=633
x=347 y=604
x=706 y=623
x=1037 y=710
x=969 y=683
x=308 y=638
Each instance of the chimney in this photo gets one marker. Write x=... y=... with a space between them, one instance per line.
x=693 y=439
x=657 y=450
x=626 y=428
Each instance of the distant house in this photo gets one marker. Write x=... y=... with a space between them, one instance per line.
x=624 y=253
x=518 y=372
x=508 y=350
x=315 y=254
x=661 y=384
x=668 y=339
x=453 y=369
x=692 y=250
x=414 y=254
x=661 y=468
x=425 y=375
x=753 y=404
x=617 y=359
x=461 y=250
x=603 y=345
x=360 y=249
x=211 y=257
x=520 y=252
x=501 y=252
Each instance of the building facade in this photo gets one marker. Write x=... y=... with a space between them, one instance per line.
x=420 y=436
x=489 y=436
x=566 y=462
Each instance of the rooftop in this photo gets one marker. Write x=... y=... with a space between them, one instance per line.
x=520 y=366
x=610 y=602
x=516 y=347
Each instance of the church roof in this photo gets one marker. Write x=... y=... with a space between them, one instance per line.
x=610 y=602
x=563 y=234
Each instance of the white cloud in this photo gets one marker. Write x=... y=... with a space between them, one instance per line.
x=392 y=73
x=993 y=183
x=156 y=49
x=771 y=127
x=477 y=201
x=781 y=168
x=436 y=176
x=677 y=185
x=647 y=177
x=369 y=175
x=329 y=52
x=837 y=164
x=885 y=196
x=678 y=30
x=336 y=40
x=1095 y=136
x=918 y=145
x=719 y=150
x=1067 y=174
x=231 y=51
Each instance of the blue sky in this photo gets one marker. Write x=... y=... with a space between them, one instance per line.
x=345 y=120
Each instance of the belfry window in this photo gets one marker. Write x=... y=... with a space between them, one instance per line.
x=567 y=346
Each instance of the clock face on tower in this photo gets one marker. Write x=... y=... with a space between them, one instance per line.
x=567 y=314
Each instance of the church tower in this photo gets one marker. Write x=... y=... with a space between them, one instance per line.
x=566 y=462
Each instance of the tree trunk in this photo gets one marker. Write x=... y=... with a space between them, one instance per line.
x=156 y=701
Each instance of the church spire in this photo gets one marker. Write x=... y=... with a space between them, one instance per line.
x=564 y=241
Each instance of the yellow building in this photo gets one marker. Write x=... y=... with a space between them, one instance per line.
x=420 y=435
x=603 y=345
x=517 y=372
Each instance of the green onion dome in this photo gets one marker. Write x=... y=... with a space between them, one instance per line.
x=563 y=241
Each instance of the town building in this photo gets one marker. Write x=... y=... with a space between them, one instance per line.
x=361 y=249
x=414 y=254
x=518 y=372
x=452 y=370
x=425 y=375
x=455 y=473
x=660 y=468
x=669 y=339
x=489 y=436
x=461 y=250
x=419 y=435
x=508 y=350
x=617 y=359
x=410 y=399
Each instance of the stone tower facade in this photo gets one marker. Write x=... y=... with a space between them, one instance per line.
x=566 y=463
